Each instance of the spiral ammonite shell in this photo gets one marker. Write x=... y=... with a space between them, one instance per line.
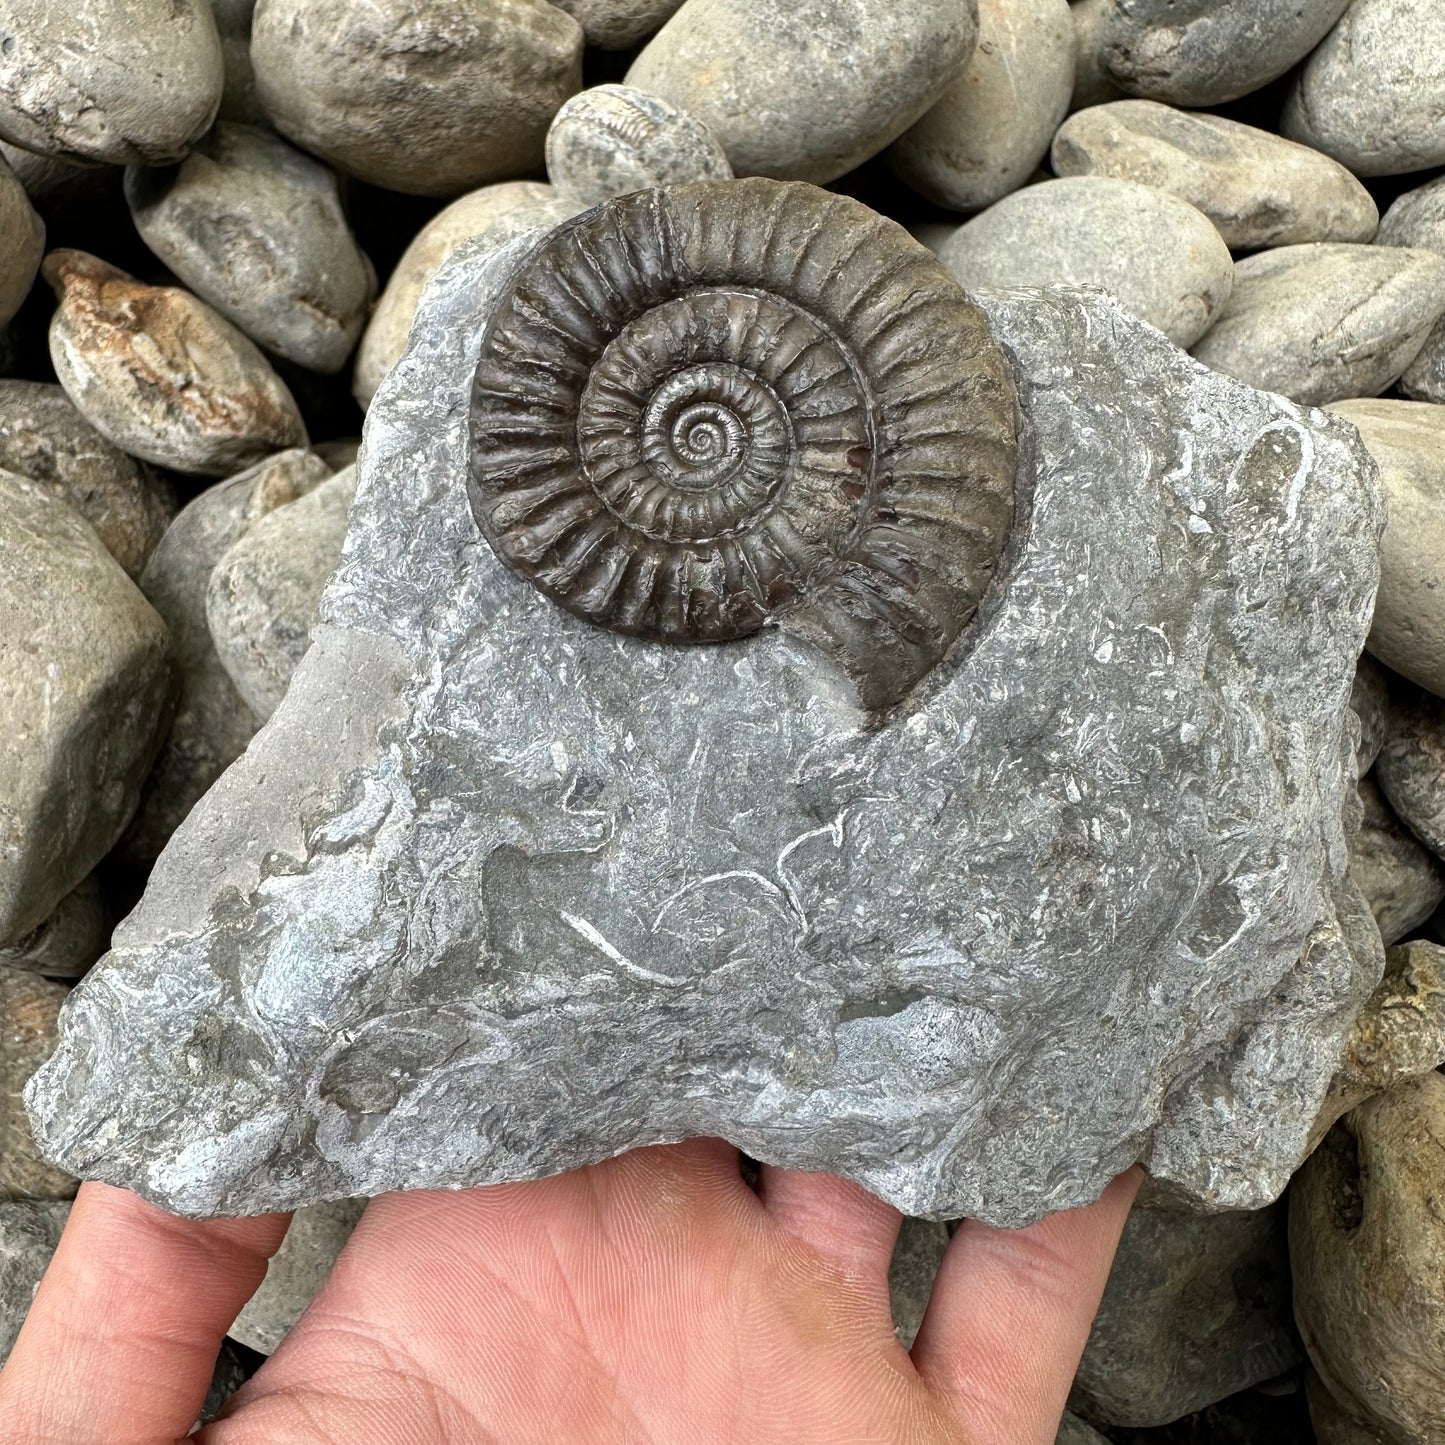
x=703 y=410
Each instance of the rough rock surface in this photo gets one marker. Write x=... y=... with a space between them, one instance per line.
x=1157 y=256
x=1197 y=1308
x=256 y=228
x=806 y=89
x=212 y=724
x=430 y=97
x=1073 y=1431
x=1373 y=94
x=990 y=129
x=263 y=597
x=29 y=1006
x=1367 y=1243
x=1203 y=52
x=86 y=701
x=1407 y=439
x=1398 y=875
x=1257 y=188
x=618 y=24
x=22 y=243
x=1370 y=699
x=44 y=438
x=161 y=375
x=1417 y=220
x=481 y=853
x=29 y=1231
x=612 y=139
x=1324 y=321
x=510 y=207
x=1411 y=765
x=296 y=1273
x=69 y=941
x=911 y=1272
x=108 y=80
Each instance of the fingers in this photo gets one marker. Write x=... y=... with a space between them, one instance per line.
x=1010 y=1315
x=120 y=1343
x=838 y=1219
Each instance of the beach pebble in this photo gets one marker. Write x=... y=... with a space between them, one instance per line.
x=340 y=453
x=30 y=1229
x=263 y=596
x=87 y=698
x=1398 y=875
x=1073 y=1431
x=1327 y=320
x=1205 y=52
x=806 y=89
x=212 y=723
x=1373 y=94
x=29 y=1008
x=160 y=374
x=239 y=101
x=44 y=177
x=1417 y=220
x=70 y=940
x=1407 y=441
x=1258 y=189
x=610 y=140
x=512 y=207
x=618 y=24
x=108 y=80
x=1411 y=765
x=296 y=1273
x=911 y=1272
x=430 y=97
x=256 y=228
x=1160 y=258
x=22 y=243
x=44 y=438
x=1092 y=84
x=1367 y=1242
x=1370 y=699
x=992 y=126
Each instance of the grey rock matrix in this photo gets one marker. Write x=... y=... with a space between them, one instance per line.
x=498 y=893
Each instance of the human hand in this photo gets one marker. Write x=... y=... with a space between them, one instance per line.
x=653 y=1299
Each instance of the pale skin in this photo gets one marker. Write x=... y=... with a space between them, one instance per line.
x=650 y=1300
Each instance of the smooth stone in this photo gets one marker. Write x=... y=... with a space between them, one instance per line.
x=161 y=374
x=22 y=243
x=1205 y=52
x=1092 y=84
x=991 y=127
x=239 y=101
x=70 y=940
x=610 y=140
x=806 y=89
x=256 y=229
x=87 y=699
x=512 y=207
x=45 y=177
x=1373 y=94
x=30 y=1230
x=911 y=1272
x=1370 y=699
x=29 y=1007
x=1333 y=1425
x=118 y=81
x=618 y=24
x=1073 y=1431
x=1197 y=1308
x=459 y=762
x=1258 y=189
x=429 y=97
x=1407 y=439
x=1399 y=877
x=45 y=439
x=340 y=453
x=1417 y=221
x=296 y=1273
x=263 y=596
x=1411 y=765
x=1157 y=256
x=1367 y=1244
x=1324 y=321
x=212 y=723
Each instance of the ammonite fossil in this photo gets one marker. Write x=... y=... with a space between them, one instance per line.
x=703 y=410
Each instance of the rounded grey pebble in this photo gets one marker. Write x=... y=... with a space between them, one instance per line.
x=1092 y=83
x=43 y=437
x=610 y=140
x=30 y=1230
x=1205 y=52
x=116 y=81
x=1160 y=258
x=1407 y=441
x=1258 y=189
x=1370 y=700
x=1417 y=220
x=618 y=24
x=263 y=596
x=70 y=940
x=1073 y=1431
x=911 y=1273
x=47 y=177
x=256 y=228
x=29 y=1013
x=806 y=89
x=502 y=212
x=162 y=375
x=1373 y=94
x=239 y=101
x=992 y=126
x=1328 y=320
x=1398 y=875
x=1411 y=765
x=429 y=97
x=22 y=243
